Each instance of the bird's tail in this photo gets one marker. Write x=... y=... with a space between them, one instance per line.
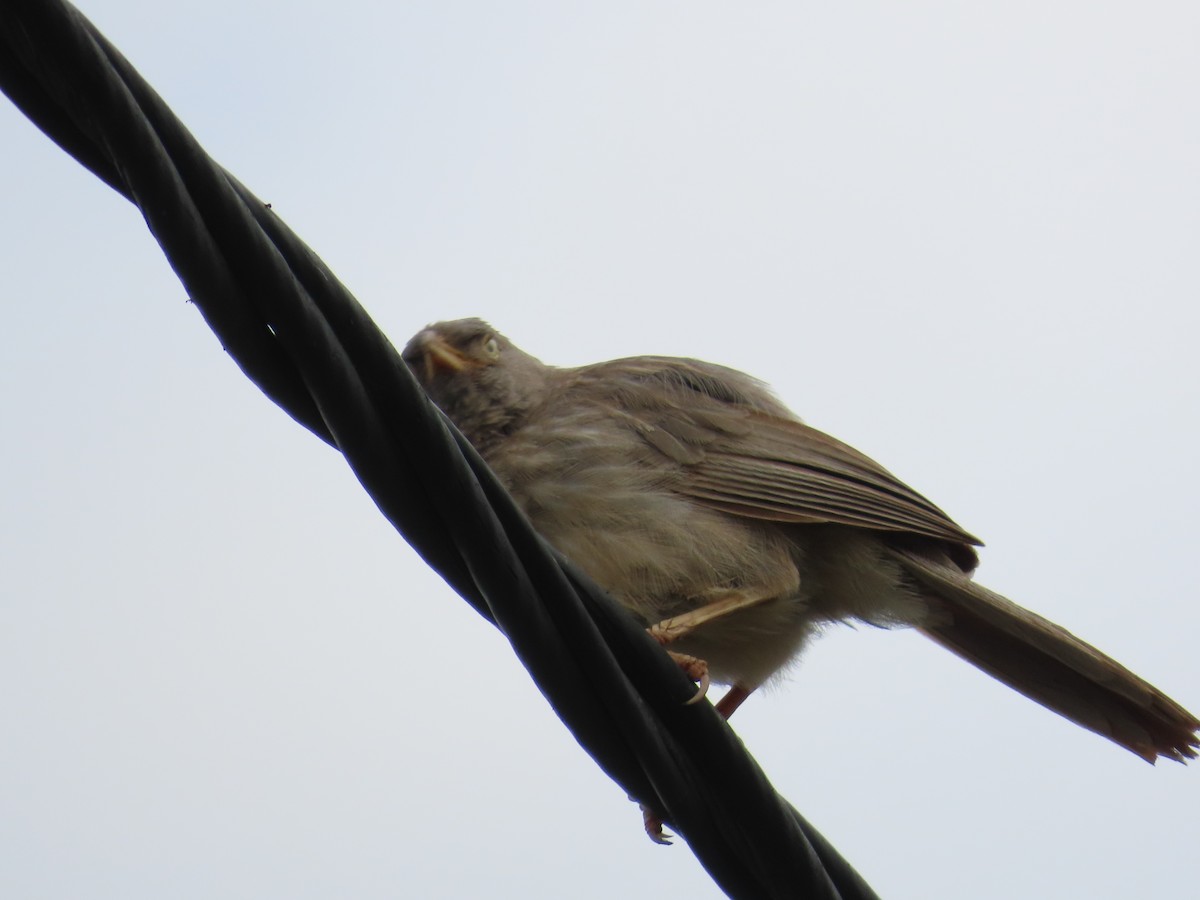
x=1050 y=665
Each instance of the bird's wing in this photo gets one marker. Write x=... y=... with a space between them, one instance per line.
x=739 y=450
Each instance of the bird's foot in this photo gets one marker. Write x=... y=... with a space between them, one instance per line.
x=695 y=669
x=654 y=826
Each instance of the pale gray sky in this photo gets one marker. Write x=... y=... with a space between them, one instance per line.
x=961 y=237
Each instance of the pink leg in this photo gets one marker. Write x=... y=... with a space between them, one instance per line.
x=733 y=698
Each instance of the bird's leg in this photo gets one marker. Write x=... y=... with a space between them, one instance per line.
x=734 y=697
x=676 y=627
x=673 y=629
x=726 y=602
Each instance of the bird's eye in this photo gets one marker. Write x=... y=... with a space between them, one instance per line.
x=491 y=348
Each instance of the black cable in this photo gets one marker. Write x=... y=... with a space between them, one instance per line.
x=305 y=341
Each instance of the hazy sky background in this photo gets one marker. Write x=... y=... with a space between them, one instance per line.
x=961 y=237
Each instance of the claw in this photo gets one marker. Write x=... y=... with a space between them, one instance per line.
x=695 y=669
x=701 y=690
x=654 y=827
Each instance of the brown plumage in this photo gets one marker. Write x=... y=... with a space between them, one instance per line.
x=677 y=484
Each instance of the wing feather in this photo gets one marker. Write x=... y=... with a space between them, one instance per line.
x=739 y=450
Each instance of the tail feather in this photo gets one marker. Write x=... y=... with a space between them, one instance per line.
x=1050 y=665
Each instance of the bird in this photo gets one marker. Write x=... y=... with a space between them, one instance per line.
x=733 y=531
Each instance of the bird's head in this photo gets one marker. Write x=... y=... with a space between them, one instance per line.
x=477 y=377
